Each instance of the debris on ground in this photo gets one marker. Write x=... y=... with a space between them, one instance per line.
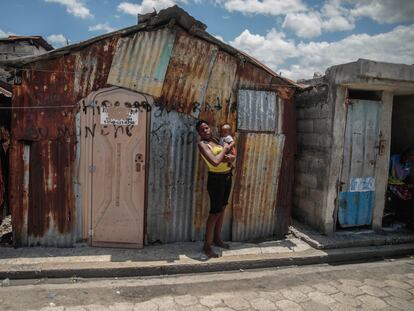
x=6 y=235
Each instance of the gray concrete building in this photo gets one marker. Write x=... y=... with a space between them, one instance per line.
x=349 y=122
x=14 y=47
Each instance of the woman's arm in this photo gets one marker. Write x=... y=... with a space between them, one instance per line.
x=214 y=160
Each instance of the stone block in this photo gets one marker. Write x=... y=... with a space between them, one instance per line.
x=307 y=205
x=317 y=196
x=310 y=139
x=307 y=180
x=322 y=125
x=305 y=126
x=325 y=110
x=312 y=112
x=325 y=141
x=301 y=166
x=300 y=113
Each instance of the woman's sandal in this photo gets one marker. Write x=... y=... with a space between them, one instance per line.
x=221 y=244
x=209 y=252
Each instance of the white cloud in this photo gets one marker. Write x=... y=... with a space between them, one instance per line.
x=5 y=34
x=57 y=40
x=219 y=38
x=267 y=7
x=272 y=49
x=384 y=11
x=102 y=27
x=336 y=17
x=332 y=17
x=276 y=51
x=146 y=6
x=305 y=25
x=75 y=7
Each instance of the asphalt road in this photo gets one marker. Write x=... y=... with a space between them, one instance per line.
x=384 y=285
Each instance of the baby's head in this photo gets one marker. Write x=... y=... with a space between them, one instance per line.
x=225 y=130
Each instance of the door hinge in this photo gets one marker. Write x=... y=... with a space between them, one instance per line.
x=92 y=168
x=381 y=147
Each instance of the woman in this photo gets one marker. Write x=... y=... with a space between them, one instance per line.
x=218 y=184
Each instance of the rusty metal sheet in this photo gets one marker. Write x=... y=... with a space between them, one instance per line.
x=220 y=100
x=255 y=191
x=51 y=207
x=43 y=105
x=92 y=66
x=43 y=148
x=252 y=77
x=17 y=192
x=287 y=126
x=257 y=111
x=173 y=145
x=188 y=74
x=140 y=62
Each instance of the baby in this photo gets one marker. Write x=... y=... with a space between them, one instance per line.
x=225 y=137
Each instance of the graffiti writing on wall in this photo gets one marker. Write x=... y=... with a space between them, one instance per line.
x=40 y=133
x=118 y=118
x=196 y=107
x=97 y=108
x=63 y=132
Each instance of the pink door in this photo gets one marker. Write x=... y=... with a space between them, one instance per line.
x=118 y=168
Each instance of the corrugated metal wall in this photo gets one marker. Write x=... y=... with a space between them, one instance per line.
x=141 y=61
x=43 y=154
x=92 y=66
x=173 y=144
x=185 y=75
x=255 y=191
x=257 y=111
x=221 y=96
x=188 y=74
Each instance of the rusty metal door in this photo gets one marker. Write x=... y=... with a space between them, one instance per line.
x=118 y=168
x=361 y=147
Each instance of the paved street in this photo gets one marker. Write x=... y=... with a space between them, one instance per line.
x=386 y=285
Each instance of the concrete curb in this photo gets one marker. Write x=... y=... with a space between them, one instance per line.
x=319 y=241
x=134 y=269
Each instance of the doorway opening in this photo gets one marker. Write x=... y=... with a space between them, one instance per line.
x=5 y=213
x=399 y=204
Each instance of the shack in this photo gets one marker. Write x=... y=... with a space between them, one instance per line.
x=12 y=47
x=349 y=123
x=104 y=149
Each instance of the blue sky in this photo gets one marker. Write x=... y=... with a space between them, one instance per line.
x=294 y=37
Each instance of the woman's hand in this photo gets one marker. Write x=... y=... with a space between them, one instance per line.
x=229 y=158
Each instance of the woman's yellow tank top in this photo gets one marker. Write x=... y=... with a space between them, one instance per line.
x=222 y=167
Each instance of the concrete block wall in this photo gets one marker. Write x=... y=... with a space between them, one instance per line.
x=314 y=130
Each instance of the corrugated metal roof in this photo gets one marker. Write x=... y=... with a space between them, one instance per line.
x=173 y=144
x=257 y=111
x=188 y=74
x=165 y=18
x=141 y=61
x=255 y=191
